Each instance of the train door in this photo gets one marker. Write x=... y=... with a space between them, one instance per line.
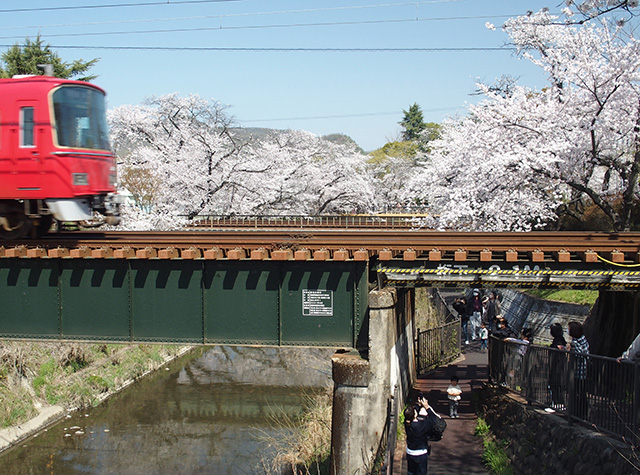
x=28 y=164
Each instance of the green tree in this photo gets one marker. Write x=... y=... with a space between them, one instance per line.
x=25 y=58
x=412 y=123
x=406 y=150
x=431 y=132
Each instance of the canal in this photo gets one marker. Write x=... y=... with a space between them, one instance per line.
x=214 y=410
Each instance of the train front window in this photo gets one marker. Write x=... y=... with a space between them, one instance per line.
x=80 y=118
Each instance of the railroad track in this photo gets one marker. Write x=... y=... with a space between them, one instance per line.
x=340 y=244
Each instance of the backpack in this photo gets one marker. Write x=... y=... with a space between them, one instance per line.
x=439 y=425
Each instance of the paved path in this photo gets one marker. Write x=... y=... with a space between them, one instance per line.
x=459 y=451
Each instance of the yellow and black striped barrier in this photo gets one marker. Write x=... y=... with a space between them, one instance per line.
x=422 y=277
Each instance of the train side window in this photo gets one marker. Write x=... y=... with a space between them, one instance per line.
x=27 y=127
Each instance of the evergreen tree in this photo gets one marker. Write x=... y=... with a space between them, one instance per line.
x=412 y=123
x=25 y=58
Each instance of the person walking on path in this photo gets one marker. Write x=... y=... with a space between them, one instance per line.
x=453 y=392
x=460 y=306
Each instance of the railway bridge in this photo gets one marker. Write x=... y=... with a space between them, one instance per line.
x=275 y=281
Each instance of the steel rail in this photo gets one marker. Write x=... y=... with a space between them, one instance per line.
x=434 y=245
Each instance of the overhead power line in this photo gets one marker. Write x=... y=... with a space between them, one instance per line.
x=257 y=27
x=112 y=5
x=186 y=2
x=347 y=116
x=285 y=50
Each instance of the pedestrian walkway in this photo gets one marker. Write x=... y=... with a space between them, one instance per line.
x=459 y=451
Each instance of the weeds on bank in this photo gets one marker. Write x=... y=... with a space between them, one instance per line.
x=306 y=447
x=70 y=374
x=494 y=455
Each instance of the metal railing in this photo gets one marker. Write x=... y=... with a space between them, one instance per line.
x=440 y=345
x=437 y=346
x=594 y=389
x=303 y=222
x=390 y=432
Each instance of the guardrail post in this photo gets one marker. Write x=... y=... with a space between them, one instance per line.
x=392 y=429
x=571 y=386
x=442 y=344
x=636 y=401
x=418 y=349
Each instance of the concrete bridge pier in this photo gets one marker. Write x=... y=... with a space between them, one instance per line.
x=363 y=386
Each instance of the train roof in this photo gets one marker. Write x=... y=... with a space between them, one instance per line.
x=45 y=81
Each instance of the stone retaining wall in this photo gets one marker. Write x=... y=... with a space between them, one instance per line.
x=525 y=311
x=542 y=443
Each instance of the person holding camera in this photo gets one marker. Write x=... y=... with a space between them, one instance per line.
x=418 y=424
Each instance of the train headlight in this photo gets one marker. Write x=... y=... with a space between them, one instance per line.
x=80 y=179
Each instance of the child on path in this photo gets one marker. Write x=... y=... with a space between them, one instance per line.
x=484 y=337
x=453 y=392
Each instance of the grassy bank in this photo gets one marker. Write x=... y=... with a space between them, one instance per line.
x=494 y=455
x=71 y=375
x=580 y=297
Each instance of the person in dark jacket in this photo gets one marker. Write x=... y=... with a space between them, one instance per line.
x=557 y=368
x=492 y=310
x=418 y=429
x=503 y=331
x=460 y=306
x=474 y=310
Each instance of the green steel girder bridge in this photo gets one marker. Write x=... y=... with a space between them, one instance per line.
x=281 y=286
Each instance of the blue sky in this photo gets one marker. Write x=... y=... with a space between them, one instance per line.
x=358 y=93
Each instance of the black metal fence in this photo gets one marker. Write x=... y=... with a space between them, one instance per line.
x=594 y=389
x=403 y=221
x=390 y=433
x=437 y=346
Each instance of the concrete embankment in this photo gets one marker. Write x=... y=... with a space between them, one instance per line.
x=14 y=435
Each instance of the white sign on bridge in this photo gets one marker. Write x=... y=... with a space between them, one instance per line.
x=317 y=303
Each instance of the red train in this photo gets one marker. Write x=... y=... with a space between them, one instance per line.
x=55 y=158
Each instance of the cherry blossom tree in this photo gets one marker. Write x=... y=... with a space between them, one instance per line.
x=313 y=177
x=589 y=9
x=390 y=175
x=521 y=152
x=186 y=148
x=184 y=143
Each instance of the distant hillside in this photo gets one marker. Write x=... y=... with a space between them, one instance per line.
x=342 y=139
x=260 y=133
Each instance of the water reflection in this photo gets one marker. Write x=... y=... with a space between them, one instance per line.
x=206 y=413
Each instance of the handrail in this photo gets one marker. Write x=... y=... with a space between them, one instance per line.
x=403 y=221
x=597 y=390
x=391 y=428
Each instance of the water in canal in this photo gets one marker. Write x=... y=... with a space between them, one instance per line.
x=206 y=413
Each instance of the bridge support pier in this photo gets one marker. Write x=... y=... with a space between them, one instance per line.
x=363 y=387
